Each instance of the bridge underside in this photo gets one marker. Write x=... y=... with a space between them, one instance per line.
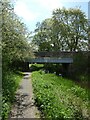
x=50 y=60
x=64 y=61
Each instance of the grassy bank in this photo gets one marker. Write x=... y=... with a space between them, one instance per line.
x=10 y=83
x=58 y=97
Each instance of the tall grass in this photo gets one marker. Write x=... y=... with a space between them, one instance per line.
x=60 y=98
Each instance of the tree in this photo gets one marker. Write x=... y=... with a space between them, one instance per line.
x=15 y=49
x=15 y=46
x=65 y=31
x=42 y=37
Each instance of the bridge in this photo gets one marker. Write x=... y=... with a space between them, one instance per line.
x=64 y=58
x=51 y=57
x=55 y=57
x=50 y=60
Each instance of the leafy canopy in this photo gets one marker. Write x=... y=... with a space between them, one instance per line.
x=65 y=31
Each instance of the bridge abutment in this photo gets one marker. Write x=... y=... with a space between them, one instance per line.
x=65 y=69
x=25 y=67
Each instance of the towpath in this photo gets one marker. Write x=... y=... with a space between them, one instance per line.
x=24 y=106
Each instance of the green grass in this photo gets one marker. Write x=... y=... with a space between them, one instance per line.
x=35 y=67
x=60 y=98
x=10 y=83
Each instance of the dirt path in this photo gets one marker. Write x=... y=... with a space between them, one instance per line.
x=24 y=104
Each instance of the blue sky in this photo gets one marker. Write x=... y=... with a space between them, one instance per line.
x=33 y=11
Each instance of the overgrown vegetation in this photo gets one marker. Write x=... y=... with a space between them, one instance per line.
x=10 y=84
x=79 y=70
x=15 y=49
x=60 y=98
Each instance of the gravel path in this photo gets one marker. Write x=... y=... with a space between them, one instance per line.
x=24 y=106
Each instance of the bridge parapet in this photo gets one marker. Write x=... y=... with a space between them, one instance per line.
x=57 y=57
x=50 y=60
x=60 y=54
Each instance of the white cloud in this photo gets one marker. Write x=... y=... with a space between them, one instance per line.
x=49 y=4
x=22 y=10
x=30 y=10
x=33 y=11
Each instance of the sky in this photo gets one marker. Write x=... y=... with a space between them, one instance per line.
x=33 y=11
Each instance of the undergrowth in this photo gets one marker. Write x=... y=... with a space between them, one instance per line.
x=10 y=83
x=60 y=98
